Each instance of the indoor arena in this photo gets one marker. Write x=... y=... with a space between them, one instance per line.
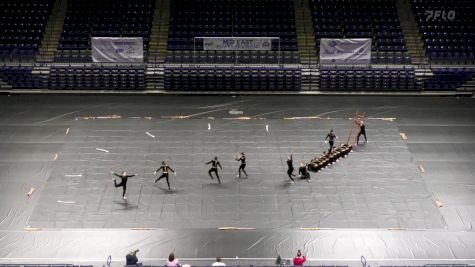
x=325 y=133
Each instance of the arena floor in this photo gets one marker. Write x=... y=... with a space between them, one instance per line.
x=377 y=202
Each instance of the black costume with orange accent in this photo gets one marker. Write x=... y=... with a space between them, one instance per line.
x=214 y=168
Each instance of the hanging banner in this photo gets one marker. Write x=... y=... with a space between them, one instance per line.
x=117 y=49
x=345 y=51
x=237 y=43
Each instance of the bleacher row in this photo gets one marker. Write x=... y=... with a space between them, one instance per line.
x=232 y=79
x=98 y=77
x=367 y=79
x=448 y=79
x=233 y=57
x=21 y=77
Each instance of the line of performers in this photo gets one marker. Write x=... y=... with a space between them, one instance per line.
x=317 y=164
x=165 y=169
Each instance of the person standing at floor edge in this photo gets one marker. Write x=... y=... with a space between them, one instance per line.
x=300 y=259
x=172 y=262
x=218 y=262
x=131 y=258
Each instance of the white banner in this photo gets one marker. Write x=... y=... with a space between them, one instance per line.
x=117 y=49
x=237 y=43
x=345 y=51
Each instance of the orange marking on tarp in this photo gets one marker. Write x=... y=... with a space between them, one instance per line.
x=109 y=117
x=28 y=228
x=100 y=117
x=175 y=117
x=32 y=190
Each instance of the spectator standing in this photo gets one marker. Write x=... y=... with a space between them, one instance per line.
x=300 y=259
x=218 y=262
x=131 y=258
x=172 y=262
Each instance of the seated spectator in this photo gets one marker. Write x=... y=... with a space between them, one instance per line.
x=131 y=258
x=218 y=262
x=299 y=259
x=172 y=262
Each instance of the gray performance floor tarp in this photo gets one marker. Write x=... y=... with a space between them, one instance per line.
x=49 y=142
x=377 y=187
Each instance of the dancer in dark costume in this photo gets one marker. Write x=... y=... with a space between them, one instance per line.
x=214 y=168
x=290 y=166
x=331 y=139
x=164 y=168
x=124 y=177
x=362 y=132
x=304 y=174
x=242 y=159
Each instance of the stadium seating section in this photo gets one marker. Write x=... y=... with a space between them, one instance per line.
x=211 y=18
x=98 y=77
x=22 y=23
x=21 y=77
x=113 y=18
x=230 y=79
x=377 y=20
x=360 y=79
x=233 y=57
x=448 y=29
x=448 y=79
